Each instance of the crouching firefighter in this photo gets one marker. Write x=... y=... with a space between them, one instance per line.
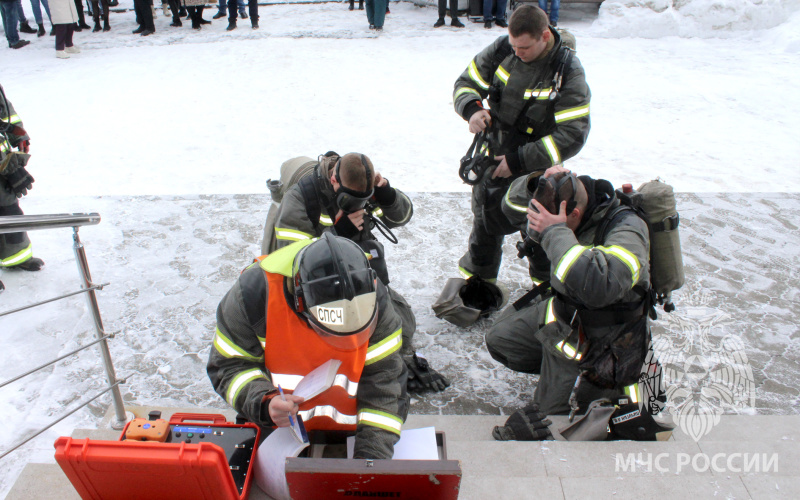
x=295 y=309
x=347 y=196
x=585 y=331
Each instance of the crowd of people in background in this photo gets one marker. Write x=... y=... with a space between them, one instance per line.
x=68 y=16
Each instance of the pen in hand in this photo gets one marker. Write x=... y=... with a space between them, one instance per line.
x=283 y=397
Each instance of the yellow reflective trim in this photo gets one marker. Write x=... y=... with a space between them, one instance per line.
x=380 y=419
x=572 y=113
x=568 y=350
x=467 y=275
x=377 y=212
x=384 y=348
x=18 y=258
x=514 y=206
x=627 y=258
x=465 y=90
x=280 y=261
x=567 y=260
x=529 y=130
x=330 y=412
x=550 y=315
x=552 y=150
x=476 y=76
x=285 y=234
x=537 y=93
x=239 y=381
x=286 y=381
x=227 y=348
x=633 y=392
x=502 y=74
x=12 y=119
x=325 y=220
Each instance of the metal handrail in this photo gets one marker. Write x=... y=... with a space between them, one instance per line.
x=20 y=223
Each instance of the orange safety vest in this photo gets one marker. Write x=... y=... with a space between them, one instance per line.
x=294 y=349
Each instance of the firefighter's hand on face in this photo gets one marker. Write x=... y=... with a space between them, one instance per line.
x=380 y=181
x=479 y=121
x=541 y=220
x=279 y=409
x=558 y=167
x=502 y=169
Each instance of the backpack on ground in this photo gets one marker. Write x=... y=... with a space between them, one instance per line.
x=292 y=171
x=655 y=203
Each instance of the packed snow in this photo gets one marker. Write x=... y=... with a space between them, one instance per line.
x=171 y=137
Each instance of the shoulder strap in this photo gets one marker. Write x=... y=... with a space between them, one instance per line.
x=311 y=200
x=609 y=222
x=503 y=51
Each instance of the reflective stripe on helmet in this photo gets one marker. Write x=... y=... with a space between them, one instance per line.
x=380 y=419
x=328 y=411
x=239 y=381
x=514 y=206
x=385 y=347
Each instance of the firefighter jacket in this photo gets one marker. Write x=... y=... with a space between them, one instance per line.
x=8 y=120
x=599 y=289
x=293 y=223
x=261 y=342
x=532 y=125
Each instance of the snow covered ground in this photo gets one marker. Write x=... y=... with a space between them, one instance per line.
x=170 y=138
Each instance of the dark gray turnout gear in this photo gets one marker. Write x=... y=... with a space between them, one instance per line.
x=556 y=336
x=533 y=125
x=236 y=363
x=293 y=224
x=15 y=248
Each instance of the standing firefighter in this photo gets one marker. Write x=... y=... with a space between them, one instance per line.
x=538 y=117
x=294 y=310
x=16 y=250
x=348 y=197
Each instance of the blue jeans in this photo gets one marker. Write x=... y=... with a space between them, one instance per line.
x=500 y=11
x=554 y=5
x=37 y=11
x=223 y=6
x=376 y=12
x=10 y=21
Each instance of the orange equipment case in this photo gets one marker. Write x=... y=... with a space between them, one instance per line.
x=127 y=470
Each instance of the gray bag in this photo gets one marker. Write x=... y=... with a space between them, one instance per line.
x=593 y=425
x=462 y=302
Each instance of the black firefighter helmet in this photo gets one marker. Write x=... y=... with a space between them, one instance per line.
x=335 y=291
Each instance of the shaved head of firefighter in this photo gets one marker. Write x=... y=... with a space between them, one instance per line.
x=355 y=171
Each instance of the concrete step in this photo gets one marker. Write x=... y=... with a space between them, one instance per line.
x=742 y=457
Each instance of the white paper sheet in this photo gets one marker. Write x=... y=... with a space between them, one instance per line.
x=414 y=444
x=270 y=468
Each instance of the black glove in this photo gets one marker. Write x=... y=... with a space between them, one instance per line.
x=527 y=424
x=345 y=227
x=20 y=181
x=385 y=195
x=422 y=377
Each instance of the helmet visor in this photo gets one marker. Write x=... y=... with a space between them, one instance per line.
x=345 y=324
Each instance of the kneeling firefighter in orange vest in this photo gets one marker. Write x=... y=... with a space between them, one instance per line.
x=292 y=311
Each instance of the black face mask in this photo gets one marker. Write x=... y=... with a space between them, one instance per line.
x=548 y=193
x=349 y=200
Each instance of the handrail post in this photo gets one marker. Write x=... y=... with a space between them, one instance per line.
x=91 y=297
